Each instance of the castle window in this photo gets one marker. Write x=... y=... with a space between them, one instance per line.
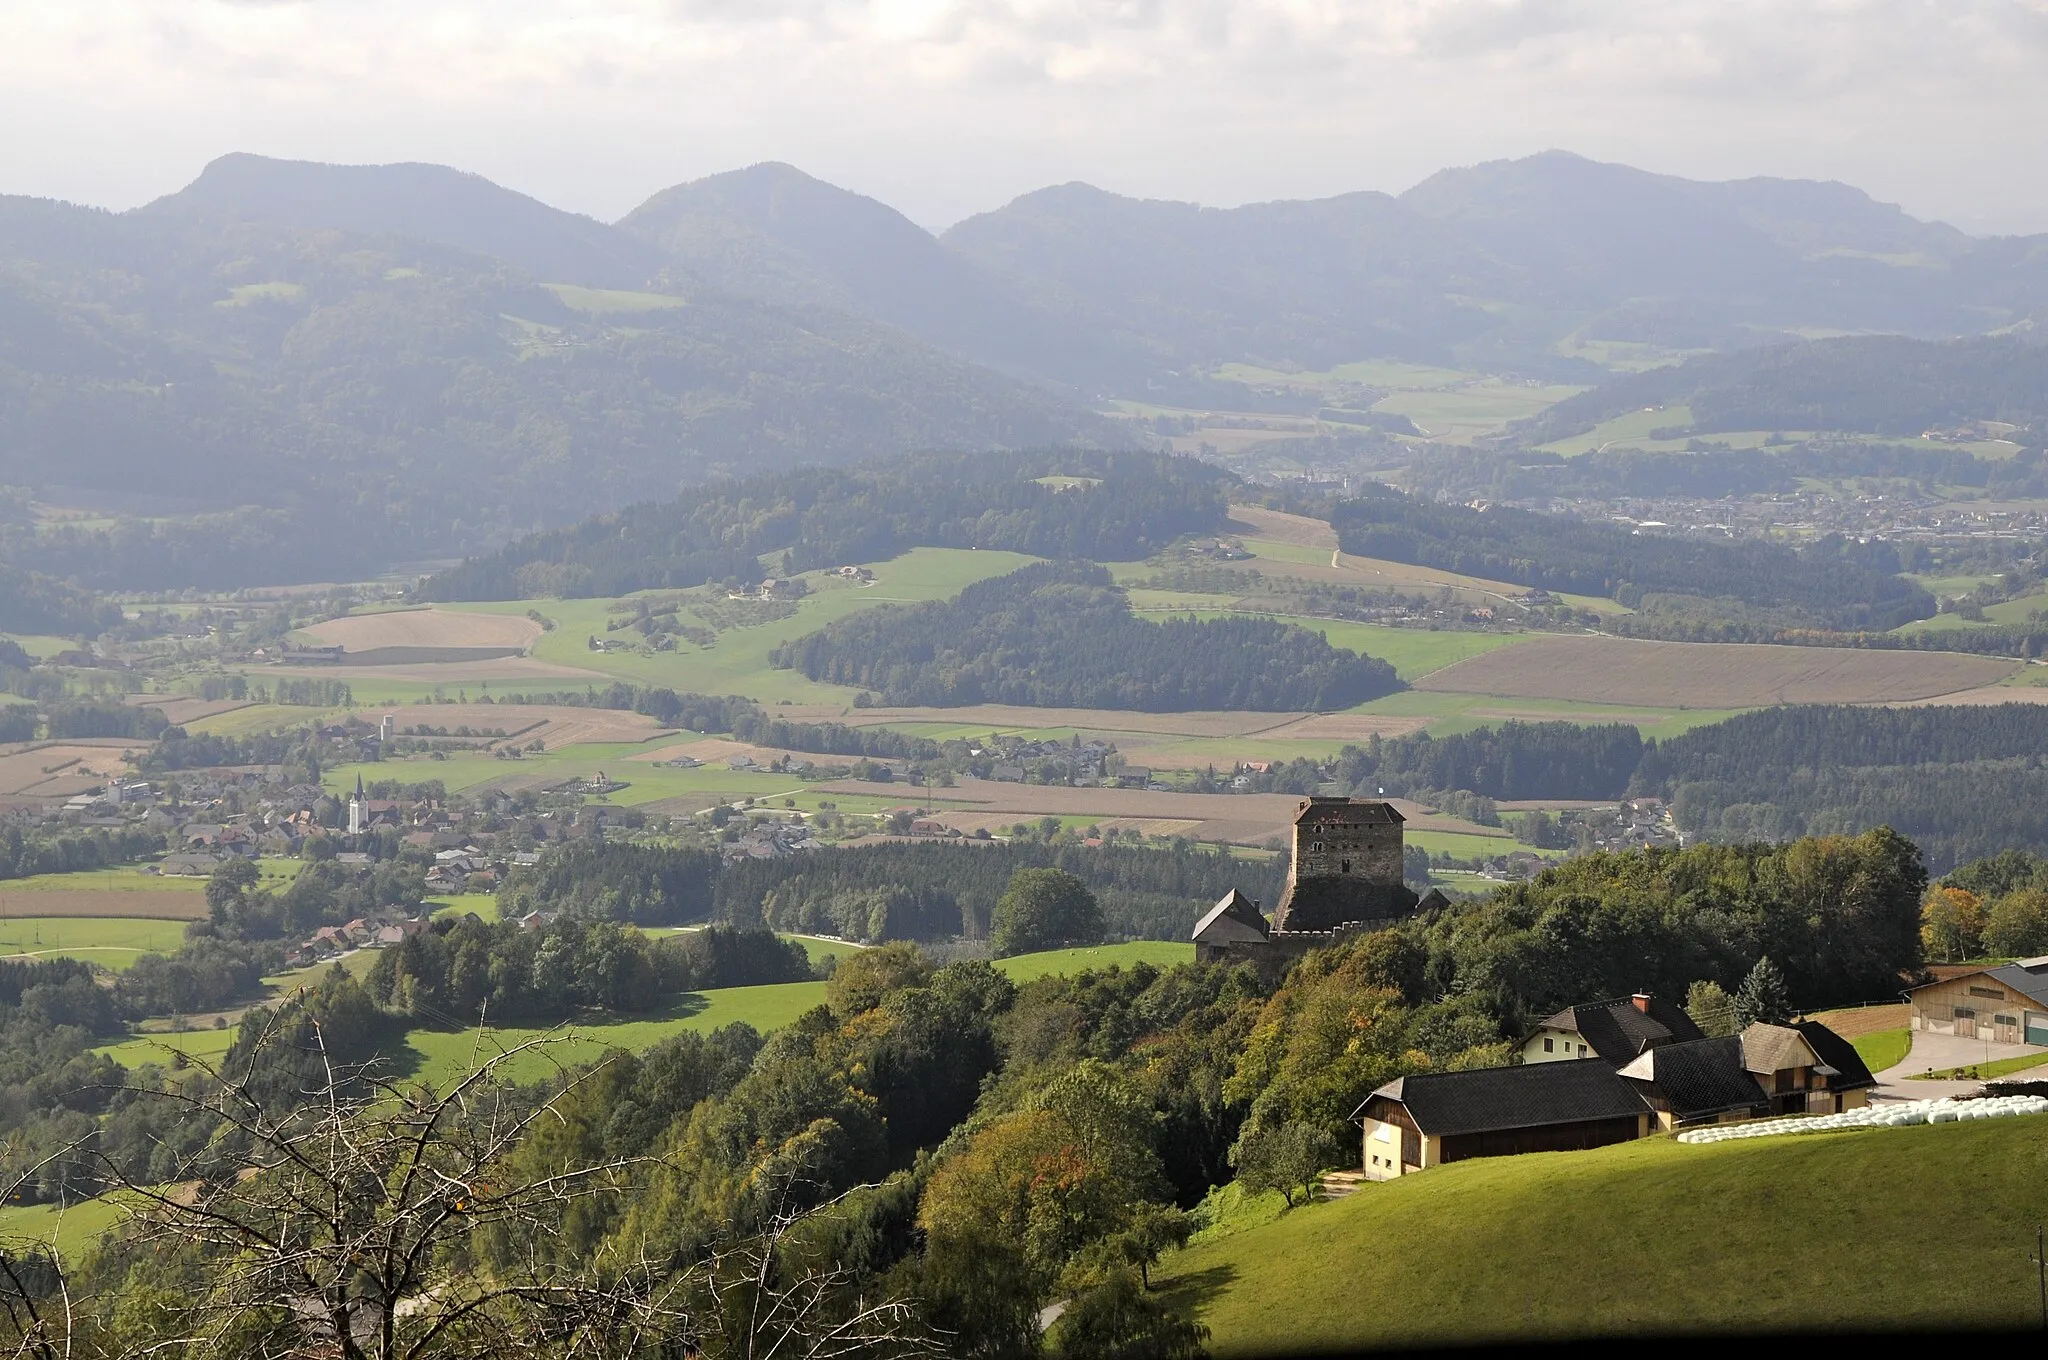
x=1345 y=866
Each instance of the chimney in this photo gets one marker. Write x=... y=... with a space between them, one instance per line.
x=1642 y=1002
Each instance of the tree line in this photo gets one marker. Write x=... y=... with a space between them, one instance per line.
x=1062 y=635
x=894 y=890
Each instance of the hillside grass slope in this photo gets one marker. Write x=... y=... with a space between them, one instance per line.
x=1915 y=1228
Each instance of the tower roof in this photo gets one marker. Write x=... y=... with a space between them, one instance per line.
x=1352 y=811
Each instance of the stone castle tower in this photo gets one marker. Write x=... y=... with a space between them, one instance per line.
x=1346 y=877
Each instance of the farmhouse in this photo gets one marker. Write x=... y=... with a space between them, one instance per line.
x=2007 y=1004
x=1615 y=1031
x=1345 y=880
x=1417 y=1122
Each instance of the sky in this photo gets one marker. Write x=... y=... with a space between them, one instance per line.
x=945 y=108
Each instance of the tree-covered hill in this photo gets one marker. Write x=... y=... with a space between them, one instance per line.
x=1115 y=507
x=1830 y=584
x=1061 y=635
x=1888 y=384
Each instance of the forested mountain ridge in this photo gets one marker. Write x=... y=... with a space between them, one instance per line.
x=433 y=203
x=344 y=401
x=1123 y=507
x=1878 y=384
x=772 y=232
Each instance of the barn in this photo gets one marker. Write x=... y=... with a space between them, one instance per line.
x=2007 y=1004
x=1433 y=1118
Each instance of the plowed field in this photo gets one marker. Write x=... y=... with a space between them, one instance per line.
x=1711 y=675
x=425 y=628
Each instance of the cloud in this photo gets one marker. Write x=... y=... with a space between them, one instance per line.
x=944 y=106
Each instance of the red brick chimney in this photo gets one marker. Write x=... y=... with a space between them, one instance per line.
x=1642 y=1000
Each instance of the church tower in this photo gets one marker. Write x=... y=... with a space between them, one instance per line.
x=358 y=809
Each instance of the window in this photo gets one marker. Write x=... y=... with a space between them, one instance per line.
x=1582 y=1050
x=1549 y=1045
x=1965 y=1013
x=1992 y=992
x=1344 y=866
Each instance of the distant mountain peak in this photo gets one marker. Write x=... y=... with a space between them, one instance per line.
x=420 y=201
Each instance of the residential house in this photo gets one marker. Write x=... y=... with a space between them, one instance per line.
x=1803 y=1068
x=2007 y=1004
x=189 y=864
x=1615 y=1031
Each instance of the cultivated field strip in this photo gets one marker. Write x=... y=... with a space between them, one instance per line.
x=425 y=628
x=1595 y=669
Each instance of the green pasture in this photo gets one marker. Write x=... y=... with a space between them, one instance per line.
x=485 y=905
x=113 y=942
x=40 y=645
x=1464 y=845
x=2006 y=611
x=1631 y=427
x=209 y=1045
x=436 y=1056
x=1624 y=356
x=257 y=719
x=738 y=662
x=1450 y=713
x=68 y=1231
x=1413 y=652
x=610 y=301
x=1361 y=373
x=1821 y=1234
x=1885 y=1049
x=1096 y=958
x=1490 y=403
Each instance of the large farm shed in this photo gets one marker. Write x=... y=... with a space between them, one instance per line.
x=2007 y=1004
x=1413 y=1123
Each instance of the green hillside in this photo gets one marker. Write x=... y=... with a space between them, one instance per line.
x=1827 y=1231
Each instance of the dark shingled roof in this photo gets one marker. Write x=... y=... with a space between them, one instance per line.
x=1533 y=1095
x=2029 y=978
x=1838 y=1053
x=1617 y=1031
x=1701 y=1078
x=1352 y=810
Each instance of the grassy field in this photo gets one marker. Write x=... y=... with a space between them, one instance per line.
x=144 y=1049
x=1821 y=1233
x=1158 y=953
x=1882 y=1049
x=1460 y=846
x=69 y=1232
x=115 y=942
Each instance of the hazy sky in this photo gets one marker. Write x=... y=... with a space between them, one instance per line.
x=948 y=107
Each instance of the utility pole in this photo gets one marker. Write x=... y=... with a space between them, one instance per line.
x=2041 y=1273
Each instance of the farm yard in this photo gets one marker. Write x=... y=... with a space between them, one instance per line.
x=1632 y=671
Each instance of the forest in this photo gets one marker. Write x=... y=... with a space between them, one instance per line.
x=1119 y=507
x=888 y=1150
x=1832 y=583
x=926 y=891
x=1062 y=635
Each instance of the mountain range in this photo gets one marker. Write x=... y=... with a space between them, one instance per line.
x=337 y=367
